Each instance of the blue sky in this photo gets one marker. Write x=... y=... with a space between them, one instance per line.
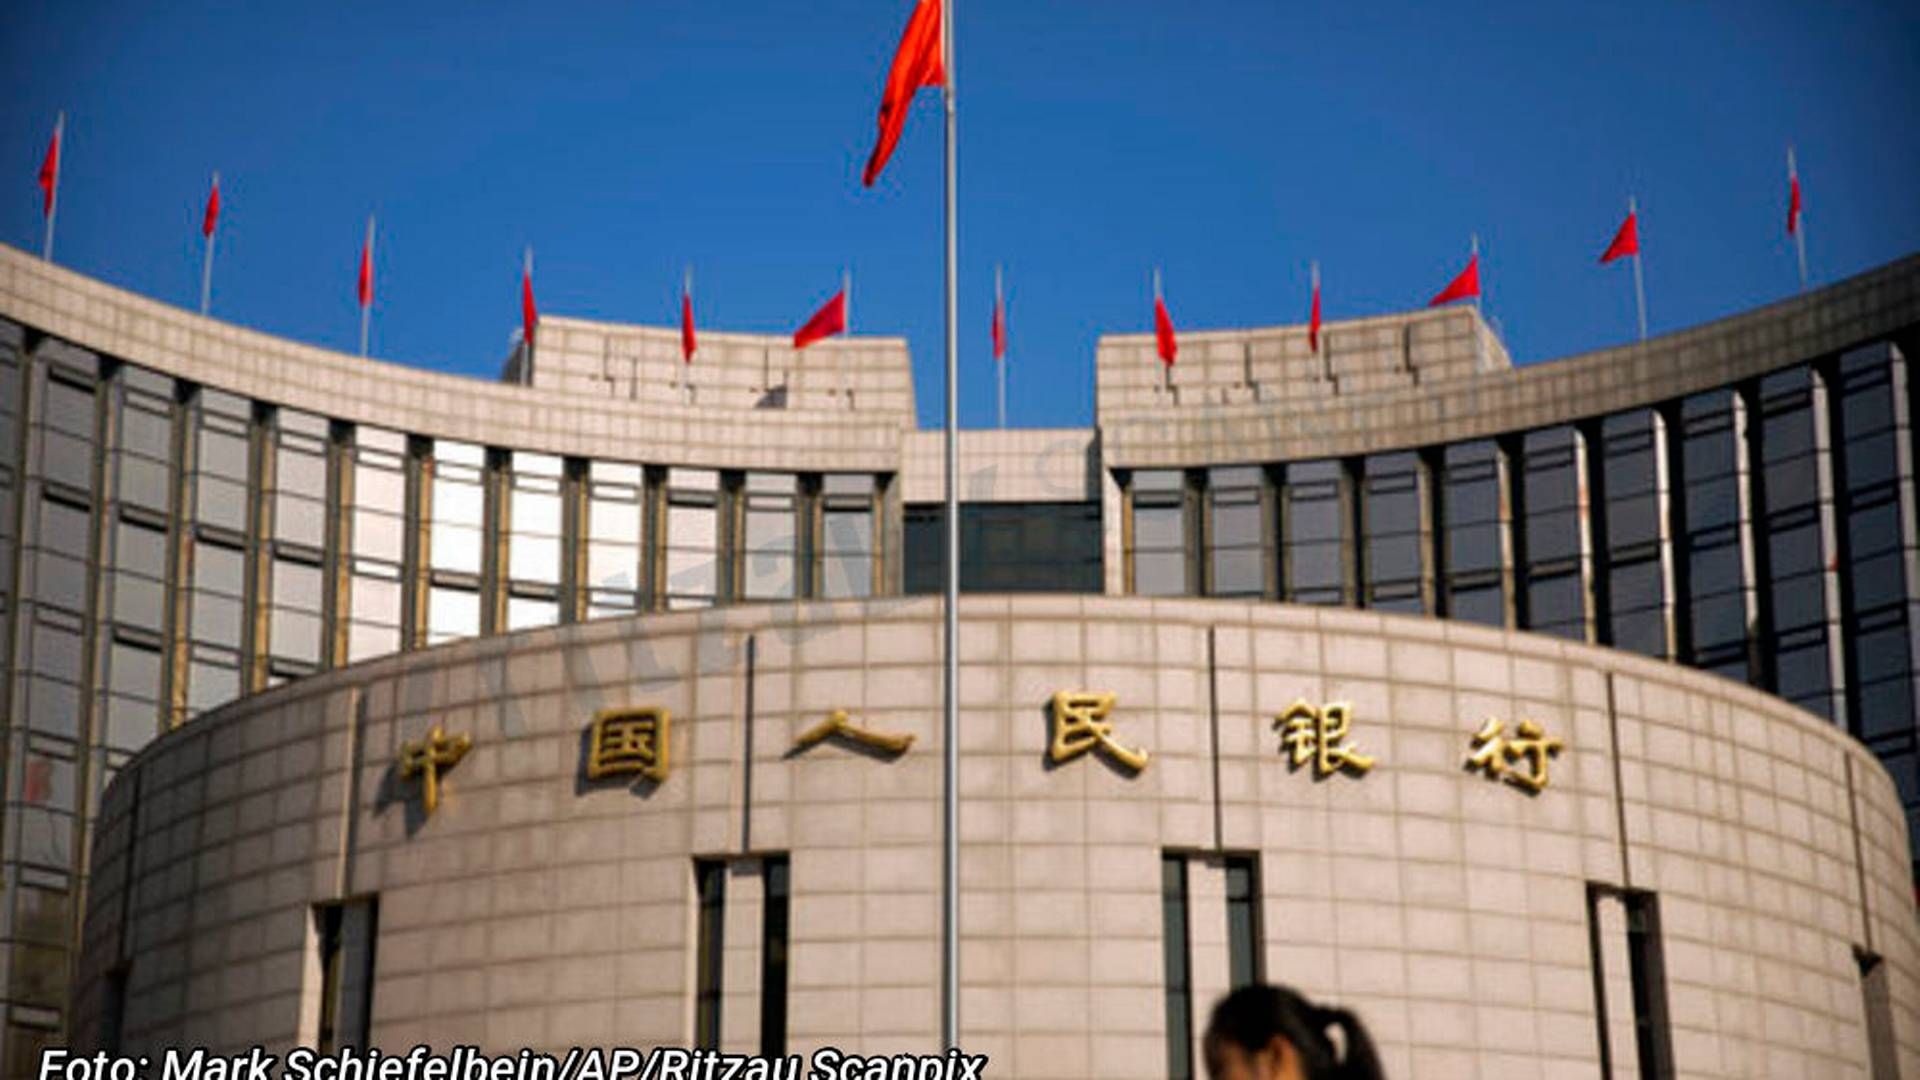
x=1226 y=141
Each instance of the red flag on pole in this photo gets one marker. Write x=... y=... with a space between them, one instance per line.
x=999 y=322
x=1461 y=287
x=1793 y=199
x=212 y=216
x=365 y=288
x=1626 y=241
x=50 y=173
x=688 y=342
x=1313 y=320
x=831 y=319
x=917 y=63
x=528 y=313
x=1163 y=339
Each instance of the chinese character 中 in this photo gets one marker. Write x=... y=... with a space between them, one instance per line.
x=428 y=758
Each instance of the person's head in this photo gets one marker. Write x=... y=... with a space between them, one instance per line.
x=1271 y=1033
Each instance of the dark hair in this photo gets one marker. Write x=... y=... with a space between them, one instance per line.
x=1251 y=1016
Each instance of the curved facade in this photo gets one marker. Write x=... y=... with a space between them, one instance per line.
x=1685 y=854
x=192 y=512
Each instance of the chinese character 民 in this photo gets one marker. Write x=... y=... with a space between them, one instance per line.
x=1317 y=735
x=1080 y=724
x=1495 y=751
x=428 y=758
x=628 y=740
x=837 y=723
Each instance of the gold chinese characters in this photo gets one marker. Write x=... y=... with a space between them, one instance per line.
x=628 y=740
x=837 y=723
x=1079 y=723
x=427 y=758
x=1495 y=751
x=1317 y=735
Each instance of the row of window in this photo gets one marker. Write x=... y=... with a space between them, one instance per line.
x=1764 y=533
x=344 y=936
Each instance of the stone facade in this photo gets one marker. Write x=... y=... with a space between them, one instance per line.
x=1452 y=911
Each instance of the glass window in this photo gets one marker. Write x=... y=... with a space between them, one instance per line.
x=1008 y=547
x=534 y=554
x=133 y=694
x=710 y=889
x=1712 y=428
x=375 y=627
x=1797 y=565
x=1879 y=549
x=452 y=613
x=1238 y=544
x=769 y=519
x=693 y=537
x=1178 y=981
x=774 y=924
x=139 y=581
x=220 y=461
x=1632 y=473
x=67 y=435
x=61 y=568
x=459 y=507
x=1244 y=947
x=1475 y=536
x=300 y=479
x=143 y=456
x=1552 y=493
x=1315 y=520
x=846 y=534
x=614 y=519
x=1395 y=541
x=1159 y=533
x=295 y=628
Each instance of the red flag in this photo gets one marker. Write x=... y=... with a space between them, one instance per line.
x=917 y=62
x=999 y=326
x=213 y=209
x=528 y=313
x=1626 y=241
x=1467 y=284
x=1793 y=202
x=831 y=319
x=366 y=269
x=688 y=343
x=50 y=174
x=1164 y=342
x=1313 y=320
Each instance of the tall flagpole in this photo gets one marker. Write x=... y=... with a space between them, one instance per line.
x=1639 y=282
x=1000 y=361
x=1799 y=221
x=686 y=362
x=1479 y=308
x=950 y=708
x=366 y=306
x=1166 y=369
x=846 y=315
x=59 y=166
x=206 y=268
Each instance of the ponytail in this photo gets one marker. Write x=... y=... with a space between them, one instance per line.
x=1253 y=1016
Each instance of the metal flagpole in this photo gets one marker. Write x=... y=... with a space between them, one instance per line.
x=206 y=269
x=366 y=306
x=686 y=362
x=53 y=198
x=526 y=342
x=1000 y=362
x=846 y=315
x=950 y=707
x=1799 y=222
x=1166 y=369
x=1639 y=282
x=1479 y=308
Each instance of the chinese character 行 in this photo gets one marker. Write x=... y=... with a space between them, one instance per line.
x=1495 y=750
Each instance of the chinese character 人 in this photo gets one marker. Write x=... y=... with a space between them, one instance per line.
x=628 y=740
x=1318 y=735
x=837 y=723
x=1495 y=751
x=1080 y=723
x=427 y=758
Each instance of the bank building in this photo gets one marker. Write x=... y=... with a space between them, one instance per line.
x=1558 y=719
